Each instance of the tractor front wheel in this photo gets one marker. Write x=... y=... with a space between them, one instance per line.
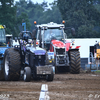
x=27 y=74
x=50 y=77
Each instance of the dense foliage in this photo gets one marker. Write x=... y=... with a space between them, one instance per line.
x=42 y=13
x=82 y=15
x=12 y=14
x=8 y=15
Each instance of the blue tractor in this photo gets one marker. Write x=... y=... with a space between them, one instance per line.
x=26 y=60
x=5 y=43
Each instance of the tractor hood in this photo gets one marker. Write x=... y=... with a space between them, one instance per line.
x=58 y=43
x=67 y=45
x=37 y=50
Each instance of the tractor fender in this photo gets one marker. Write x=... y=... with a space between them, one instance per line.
x=67 y=45
x=73 y=50
x=77 y=47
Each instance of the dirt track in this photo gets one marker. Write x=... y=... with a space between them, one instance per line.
x=64 y=87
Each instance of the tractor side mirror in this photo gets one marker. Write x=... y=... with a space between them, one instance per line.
x=15 y=39
x=65 y=35
x=4 y=26
x=20 y=35
x=34 y=33
x=73 y=31
x=18 y=38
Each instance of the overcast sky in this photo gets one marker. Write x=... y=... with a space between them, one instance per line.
x=39 y=1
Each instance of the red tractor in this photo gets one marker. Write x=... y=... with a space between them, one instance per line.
x=61 y=54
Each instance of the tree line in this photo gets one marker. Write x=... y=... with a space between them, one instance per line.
x=83 y=15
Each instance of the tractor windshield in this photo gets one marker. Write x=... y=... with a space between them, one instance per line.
x=2 y=37
x=50 y=34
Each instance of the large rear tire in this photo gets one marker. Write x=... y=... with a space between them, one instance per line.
x=1 y=70
x=74 y=62
x=12 y=65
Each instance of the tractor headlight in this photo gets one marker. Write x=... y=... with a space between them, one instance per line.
x=40 y=57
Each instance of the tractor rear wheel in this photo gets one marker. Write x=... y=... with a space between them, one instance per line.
x=1 y=70
x=74 y=62
x=12 y=65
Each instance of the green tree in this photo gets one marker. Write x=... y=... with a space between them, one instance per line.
x=39 y=12
x=22 y=14
x=8 y=15
x=80 y=14
x=52 y=14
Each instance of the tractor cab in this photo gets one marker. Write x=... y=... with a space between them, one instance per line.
x=9 y=40
x=48 y=32
x=2 y=36
x=97 y=50
x=97 y=45
x=5 y=40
